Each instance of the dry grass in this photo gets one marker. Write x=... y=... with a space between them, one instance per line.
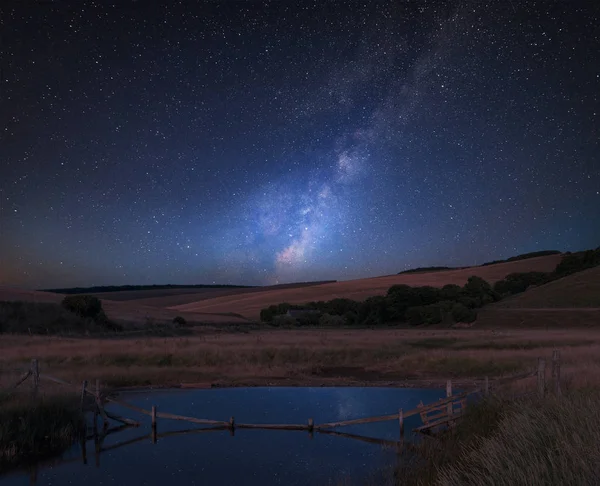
x=549 y=442
x=310 y=357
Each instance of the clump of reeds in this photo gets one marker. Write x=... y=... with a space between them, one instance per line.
x=550 y=441
x=33 y=430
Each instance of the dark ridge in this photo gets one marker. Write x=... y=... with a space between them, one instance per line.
x=119 y=288
x=425 y=269
x=524 y=256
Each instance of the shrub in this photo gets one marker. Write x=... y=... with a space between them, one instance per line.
x=284 y=321
x=451 y=292
x=267 y=314
x=461 y=313
x=327 y=320
x=576 y=262
x=374 y=311
x=47 y=318
x=515 y=283
x=351 y=318
x=84 y=306
x=179 y=321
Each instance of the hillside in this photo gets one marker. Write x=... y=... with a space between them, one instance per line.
x=8 y=294
x=125 y=312
x=579 y=290
x=250 y=304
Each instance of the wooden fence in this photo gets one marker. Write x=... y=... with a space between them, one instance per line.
x=445 y=412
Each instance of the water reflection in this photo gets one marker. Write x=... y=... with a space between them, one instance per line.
x=182 y=455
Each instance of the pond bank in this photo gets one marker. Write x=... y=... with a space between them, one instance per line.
x=550 y=441
x=30 y=431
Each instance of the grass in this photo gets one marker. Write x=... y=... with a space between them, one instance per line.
x=535 y=442
x=496 y=434
x=304 y=357
x=29 y=432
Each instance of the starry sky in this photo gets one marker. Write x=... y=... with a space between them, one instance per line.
x=260 y=142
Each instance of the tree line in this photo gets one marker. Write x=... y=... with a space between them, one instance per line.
x=426 y=305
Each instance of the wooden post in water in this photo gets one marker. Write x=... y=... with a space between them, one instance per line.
x=99 y=405
x=97 y=449
x=83 y=448
x=83 y=391
x=231 y=426
x=153 y=424
x=541 y=377
x=486 y=387
x=35 y=374
x=556 y=371
x=311 y=427
x=95 y=423
x=401 y=423
x=449 y=394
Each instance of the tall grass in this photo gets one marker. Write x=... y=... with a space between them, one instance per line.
x=534 y=442
x=30 y=431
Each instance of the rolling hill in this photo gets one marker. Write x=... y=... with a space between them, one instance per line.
x=579 y=290
x=250 y=304
x=572 y=301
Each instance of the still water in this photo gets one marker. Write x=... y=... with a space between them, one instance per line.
x=250 y=457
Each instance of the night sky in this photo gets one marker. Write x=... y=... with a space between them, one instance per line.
x=260 y=142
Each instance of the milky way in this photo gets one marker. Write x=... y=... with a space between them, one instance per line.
x=258 y=143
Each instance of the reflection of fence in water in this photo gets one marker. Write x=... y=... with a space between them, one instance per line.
x=445 y=412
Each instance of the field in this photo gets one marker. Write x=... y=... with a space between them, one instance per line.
x=307 y=357
x=250 y=304
x=507 y=338
x=503 y=340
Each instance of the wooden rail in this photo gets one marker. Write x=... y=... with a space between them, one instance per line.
x=434 y=415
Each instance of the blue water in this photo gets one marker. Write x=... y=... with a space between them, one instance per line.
x=250 y=457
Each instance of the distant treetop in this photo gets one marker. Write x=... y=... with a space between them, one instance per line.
x=425 y=269
x=119 y=288
x=525 y=256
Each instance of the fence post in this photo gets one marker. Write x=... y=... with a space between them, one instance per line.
x=35 y=373
x=232 y=426
x=556 y=371
x=401 y=422
x=83 y=449
x=486 y=387
x=99 y=405
x=153 y=424
x=541 y=377
x=83 y=391
x=448 y=395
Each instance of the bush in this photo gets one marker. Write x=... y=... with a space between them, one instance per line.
x=267 y=314
x=515 y=283
x=374 y=311
x=47 y=318
x=284 y=321
x=451 y=292
x=84 y=306
x=461 y=313
x=327 y=320
x=179 y=321
x=576 y=262
x=351 y=318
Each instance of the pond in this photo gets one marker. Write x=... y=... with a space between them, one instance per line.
x=249 y=457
